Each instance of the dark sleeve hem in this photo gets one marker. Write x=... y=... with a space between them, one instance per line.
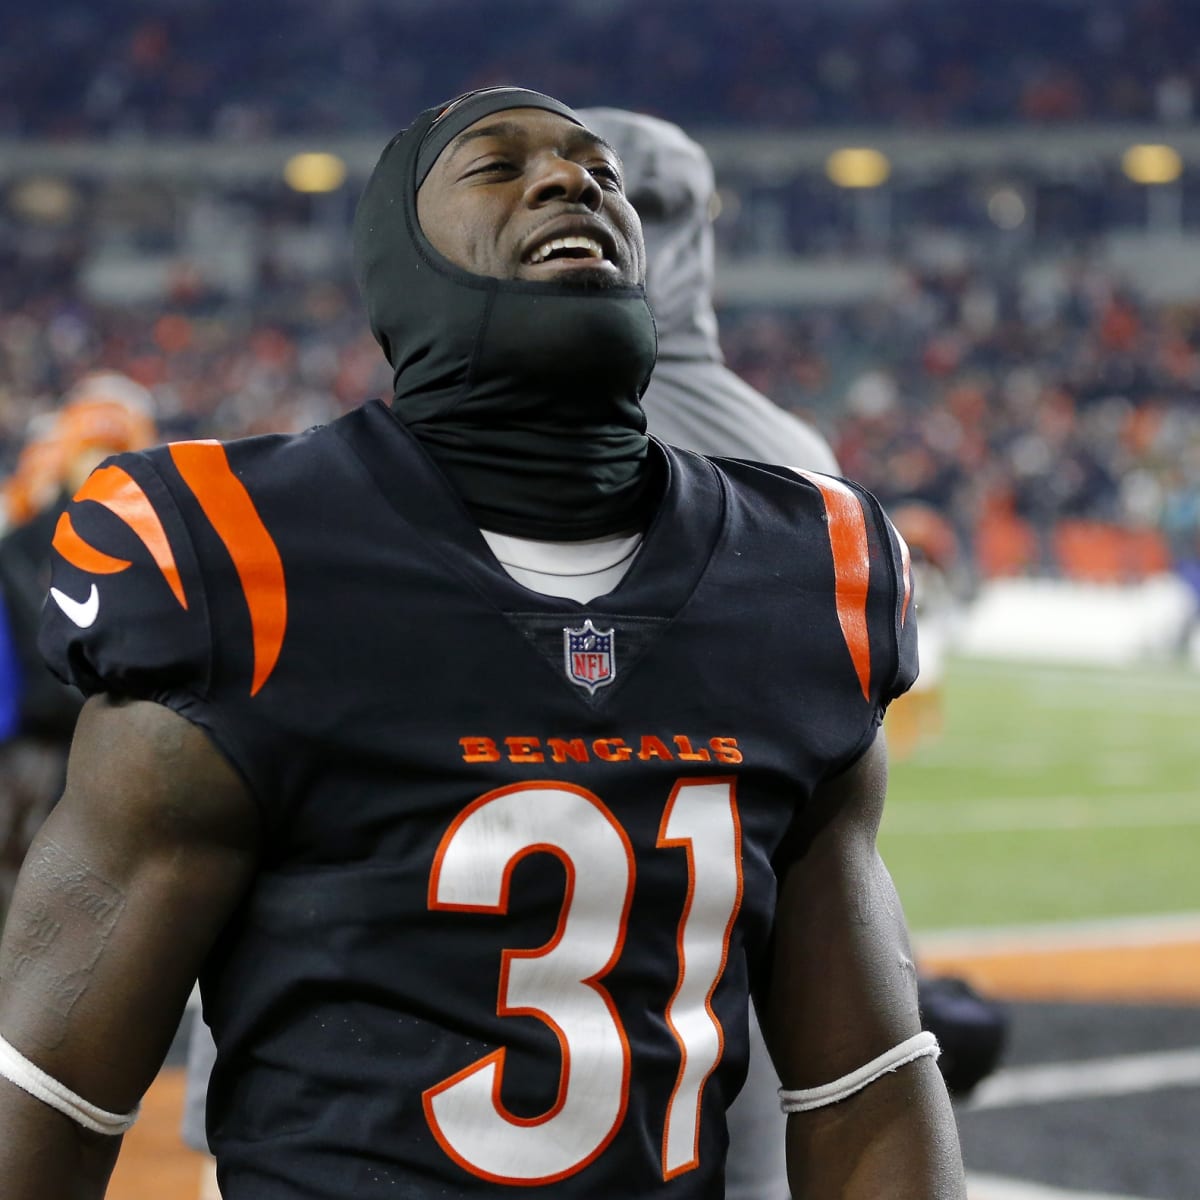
x=207 y=717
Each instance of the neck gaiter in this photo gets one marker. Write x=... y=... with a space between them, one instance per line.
x=526 y=394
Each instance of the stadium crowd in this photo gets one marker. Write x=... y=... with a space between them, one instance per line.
x=296 y=65
x=1009 y=403
x=980 y=400
x=963 y=391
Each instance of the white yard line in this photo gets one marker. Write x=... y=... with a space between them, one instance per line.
x=1124 y=1075
x=993 y=1187
x=1115 y=932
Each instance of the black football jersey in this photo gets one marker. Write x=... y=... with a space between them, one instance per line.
x=520 y=854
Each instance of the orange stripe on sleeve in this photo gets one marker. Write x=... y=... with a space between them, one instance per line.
x=851 y=568
x=205 y=468
x=120 y=493
x=80 y=554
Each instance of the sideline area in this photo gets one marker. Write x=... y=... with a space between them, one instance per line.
x=1142 y=959
x=154 y=1163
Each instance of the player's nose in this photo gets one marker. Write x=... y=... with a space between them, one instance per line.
x=553 y=177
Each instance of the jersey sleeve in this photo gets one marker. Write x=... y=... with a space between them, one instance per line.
x=126 y=612
x=873 y=589
x=897 y=604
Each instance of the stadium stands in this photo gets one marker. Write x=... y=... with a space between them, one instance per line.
x=1011 y=340
x=132 y=68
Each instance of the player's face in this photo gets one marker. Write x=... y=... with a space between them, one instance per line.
x=527 y=194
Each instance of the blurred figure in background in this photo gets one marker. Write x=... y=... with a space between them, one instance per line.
x=920 y=717
x=971 y=1029
x=696 y=402
x=36 y=480
x=105 y=413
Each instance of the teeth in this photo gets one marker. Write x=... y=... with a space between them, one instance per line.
x=544 y=251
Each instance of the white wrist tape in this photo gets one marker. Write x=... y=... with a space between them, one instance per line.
x=919 y=1045
x=29 y=1077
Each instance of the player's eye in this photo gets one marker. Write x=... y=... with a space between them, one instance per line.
x=492 y=166
x=606 y=172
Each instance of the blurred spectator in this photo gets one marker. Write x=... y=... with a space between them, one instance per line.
x=104 y=413
x=940 y=588
x=694 y=400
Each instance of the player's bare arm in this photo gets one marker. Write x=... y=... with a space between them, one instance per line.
x=843 y=994
x=121 y=896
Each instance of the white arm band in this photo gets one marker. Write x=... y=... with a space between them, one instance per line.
x=918 y=1046
x=29 y=1077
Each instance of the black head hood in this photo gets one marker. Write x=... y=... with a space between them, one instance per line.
x=525 y=393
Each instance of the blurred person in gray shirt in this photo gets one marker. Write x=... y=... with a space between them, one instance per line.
x=694 y=400
x=697 y=402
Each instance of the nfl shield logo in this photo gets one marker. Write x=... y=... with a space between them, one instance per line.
x=591 y=658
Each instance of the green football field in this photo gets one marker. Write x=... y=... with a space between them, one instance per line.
x=1053 y=794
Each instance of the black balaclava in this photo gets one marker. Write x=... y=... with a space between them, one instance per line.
x=526 y=394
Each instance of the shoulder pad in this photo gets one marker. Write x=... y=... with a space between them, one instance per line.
x=873 y=586
x=126 y=610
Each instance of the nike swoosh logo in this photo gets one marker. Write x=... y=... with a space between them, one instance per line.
x=82 y=613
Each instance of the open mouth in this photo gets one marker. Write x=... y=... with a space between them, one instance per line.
x=575 y=248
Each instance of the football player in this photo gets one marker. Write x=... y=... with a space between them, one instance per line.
x=481 y=754
x=696 y=402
